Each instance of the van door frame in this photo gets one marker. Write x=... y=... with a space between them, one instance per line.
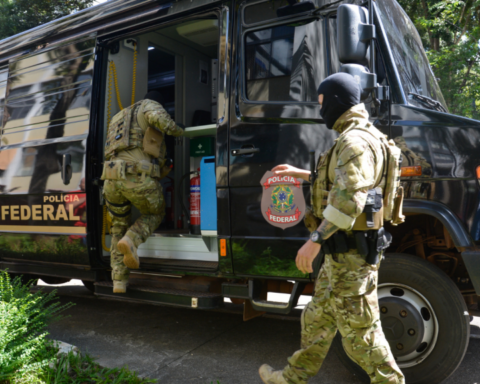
x=95 y=147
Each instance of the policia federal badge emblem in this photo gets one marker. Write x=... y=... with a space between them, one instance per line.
x=283 y=203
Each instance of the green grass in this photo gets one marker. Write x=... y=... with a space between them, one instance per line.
x=82 y=369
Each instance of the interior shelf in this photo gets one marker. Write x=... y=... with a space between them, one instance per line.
x=202 y=130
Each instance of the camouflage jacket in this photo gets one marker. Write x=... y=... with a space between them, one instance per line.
x=348 y=170
x=148 y=113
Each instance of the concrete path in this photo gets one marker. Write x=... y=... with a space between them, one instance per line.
x=179 y=346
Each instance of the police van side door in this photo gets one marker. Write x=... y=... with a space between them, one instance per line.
x=274 y=120
x=43 y=146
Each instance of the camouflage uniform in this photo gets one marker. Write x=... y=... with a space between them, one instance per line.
x=346 y=289
x=143 y=191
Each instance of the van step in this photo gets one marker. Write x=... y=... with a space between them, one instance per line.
x=177 y=297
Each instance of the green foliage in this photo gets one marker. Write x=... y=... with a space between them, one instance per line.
x=77 y=369
x=23 y=322
x=19 y=15
x=16 y=244
x=264 y=262
x=450 y=32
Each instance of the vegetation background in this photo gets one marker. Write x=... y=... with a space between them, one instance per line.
x=450 y=31
x=19 y=15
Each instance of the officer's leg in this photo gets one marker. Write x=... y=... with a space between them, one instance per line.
x=147 y=197
x=358 y=321
x=119 y=210
x=318 y=330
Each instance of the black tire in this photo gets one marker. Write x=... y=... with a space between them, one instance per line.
x=401 y=272
x=89 y=285
x=54 y=280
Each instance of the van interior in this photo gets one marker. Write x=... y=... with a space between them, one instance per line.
x=181 y=62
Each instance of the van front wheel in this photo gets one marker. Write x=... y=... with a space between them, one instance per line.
x=424 y=318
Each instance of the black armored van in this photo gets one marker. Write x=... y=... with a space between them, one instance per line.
x=242 y=77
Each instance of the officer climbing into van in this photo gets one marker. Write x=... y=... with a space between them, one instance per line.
x=356 y=187
x=135 y=162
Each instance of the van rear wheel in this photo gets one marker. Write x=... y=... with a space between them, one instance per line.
x=424 y=318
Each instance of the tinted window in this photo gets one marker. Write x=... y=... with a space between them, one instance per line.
x=285 y=63
x=407 y=50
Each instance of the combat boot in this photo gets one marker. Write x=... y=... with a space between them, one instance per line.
x=269 y=376
x=120 y=286
x=129 y=251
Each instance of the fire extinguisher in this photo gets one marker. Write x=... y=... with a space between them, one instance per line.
x=169 y=202
x=195 y=203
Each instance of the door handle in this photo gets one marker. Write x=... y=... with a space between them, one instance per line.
x=245 y=151
x=67 y=168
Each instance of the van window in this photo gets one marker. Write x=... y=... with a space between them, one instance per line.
x=285 y=63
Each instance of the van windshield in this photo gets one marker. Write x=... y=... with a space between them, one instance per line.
x=413 y=67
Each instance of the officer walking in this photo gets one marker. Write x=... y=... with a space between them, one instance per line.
x=349 y=175
x=134 y=164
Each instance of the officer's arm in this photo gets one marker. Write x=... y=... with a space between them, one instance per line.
x=160 y=119
x=289 y=170
x=354 y=175
x=326 y=229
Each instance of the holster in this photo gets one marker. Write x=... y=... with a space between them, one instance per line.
x=368 y=244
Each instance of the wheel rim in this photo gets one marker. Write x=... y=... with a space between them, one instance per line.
x=409 y=323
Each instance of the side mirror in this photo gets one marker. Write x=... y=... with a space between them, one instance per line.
x=366 y=80
x=354 y=34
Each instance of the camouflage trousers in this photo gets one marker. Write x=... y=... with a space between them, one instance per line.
x=345 y=299
x=147 y=197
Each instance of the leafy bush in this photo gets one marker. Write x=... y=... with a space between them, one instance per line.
x=24 y=317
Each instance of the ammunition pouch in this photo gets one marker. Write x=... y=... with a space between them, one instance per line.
x=368 y=244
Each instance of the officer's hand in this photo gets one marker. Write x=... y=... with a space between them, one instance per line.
x=306 y=255
x=288 y=170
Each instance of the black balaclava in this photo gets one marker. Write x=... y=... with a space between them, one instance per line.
x=155 y=96
x=340 y=93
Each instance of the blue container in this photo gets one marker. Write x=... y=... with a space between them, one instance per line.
x=208 y=195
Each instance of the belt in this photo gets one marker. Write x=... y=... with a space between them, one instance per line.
x=339 y=242
x=141 y=168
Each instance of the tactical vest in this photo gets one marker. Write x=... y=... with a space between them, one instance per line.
x=126 y=131
x=388 y=187
x=122 y=133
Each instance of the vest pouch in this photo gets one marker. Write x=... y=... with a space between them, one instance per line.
x=392 y=184
x=397 y=215
x=361 y=221
x=152 y=142
x=114 y=170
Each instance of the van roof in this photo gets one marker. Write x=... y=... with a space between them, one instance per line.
x=79 y=23
x=101 y=18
